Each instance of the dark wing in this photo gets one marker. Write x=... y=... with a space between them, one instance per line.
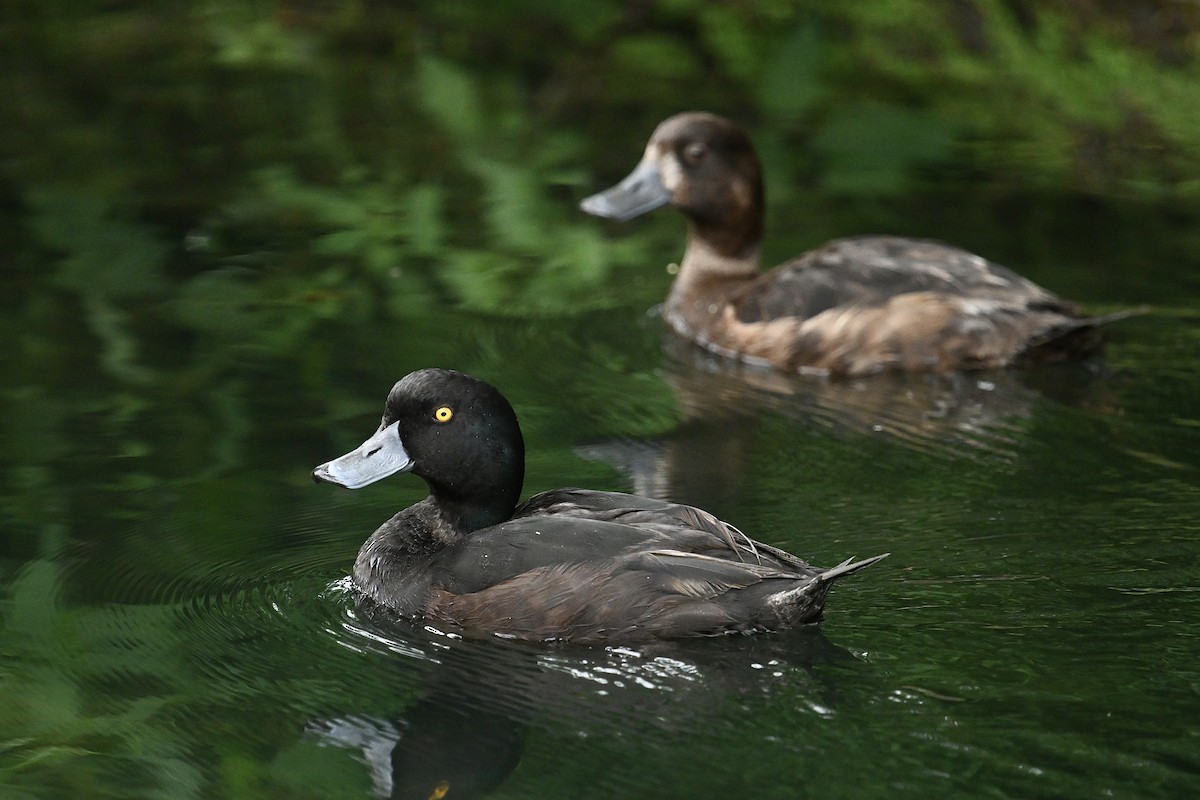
x=493 y=555
x=674 y=525
x=870 y=270
x=642 y=595
x=588 y=503
x=577 y=526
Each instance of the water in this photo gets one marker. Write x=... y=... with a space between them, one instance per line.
x=195 y=315
x=1033 y=634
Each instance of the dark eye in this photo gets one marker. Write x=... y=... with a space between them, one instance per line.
x=694 y=153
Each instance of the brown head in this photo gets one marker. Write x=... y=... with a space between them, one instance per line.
x=705 y=166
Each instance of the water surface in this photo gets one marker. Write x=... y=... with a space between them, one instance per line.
x=229 y=238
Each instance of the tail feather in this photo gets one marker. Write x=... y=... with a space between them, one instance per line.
x=1073 y=338
x=1117 y=316
x=806 y=602
x=847 y=567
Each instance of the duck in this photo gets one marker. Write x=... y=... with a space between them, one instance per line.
x=853 y=306
x=569 y=565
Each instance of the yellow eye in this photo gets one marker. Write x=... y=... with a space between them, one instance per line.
x=444 y=414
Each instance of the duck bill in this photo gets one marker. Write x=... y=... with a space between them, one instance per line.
x=640 y=192
x=376 y=458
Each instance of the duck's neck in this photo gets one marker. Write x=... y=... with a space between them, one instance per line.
x=711 y=271
x=487 y=492
x=464 y=515
x=411 y=537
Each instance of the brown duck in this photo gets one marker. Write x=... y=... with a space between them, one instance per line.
x=853 y=306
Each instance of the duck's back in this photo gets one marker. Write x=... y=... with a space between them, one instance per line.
x=867 y=271
x=872 y=303
x=576 y=526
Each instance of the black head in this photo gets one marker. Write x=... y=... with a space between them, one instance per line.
x=455 y=431
x=705 y=166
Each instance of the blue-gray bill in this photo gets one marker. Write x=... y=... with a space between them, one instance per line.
x=641 y=191
x=376 y=458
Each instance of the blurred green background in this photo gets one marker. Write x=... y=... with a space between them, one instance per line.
x=255 y=168
x=187 y=184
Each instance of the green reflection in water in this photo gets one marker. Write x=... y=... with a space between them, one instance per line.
x=230 y=227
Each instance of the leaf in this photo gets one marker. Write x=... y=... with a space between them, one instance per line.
x=220 y=301
x=791 y=82
x=102 y=256
x=448 y=94
x=423 y=218
x=871 y=147
x=513 y=205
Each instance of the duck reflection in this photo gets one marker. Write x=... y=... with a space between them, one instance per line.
x=480 y=698
x=976 y=414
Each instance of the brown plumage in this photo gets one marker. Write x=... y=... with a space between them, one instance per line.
x=852 y=306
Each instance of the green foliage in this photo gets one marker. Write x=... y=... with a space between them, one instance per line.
x=539 y=256
x=1070 y=99
x=101 y=255
x=448 y=169
x=791 y=84
x=871 y=148
x=450 y=97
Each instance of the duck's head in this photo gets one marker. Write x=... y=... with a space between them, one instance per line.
x=705 y=166
x=456 y=432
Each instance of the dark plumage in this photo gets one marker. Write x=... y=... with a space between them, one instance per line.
x=852 y=306
x=567 y=564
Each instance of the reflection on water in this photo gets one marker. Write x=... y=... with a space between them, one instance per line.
x=230 y=226
x=435 y=750
x=479 y=699
x=953 y=412
x=976 y=415
x=1034 y=630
